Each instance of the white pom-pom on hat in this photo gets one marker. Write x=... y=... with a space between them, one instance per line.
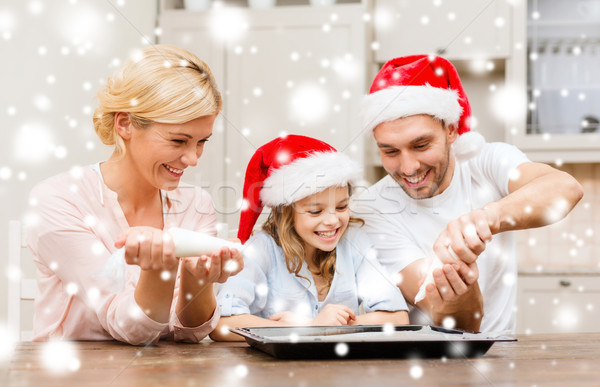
x=467 y=145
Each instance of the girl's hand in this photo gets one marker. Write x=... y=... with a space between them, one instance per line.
x=291 y=318
x=216 y=268
x=334 y=314
x=148 y=247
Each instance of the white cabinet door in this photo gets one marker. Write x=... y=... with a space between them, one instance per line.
x=455 y=29
x=294 y=70
x=549 y=304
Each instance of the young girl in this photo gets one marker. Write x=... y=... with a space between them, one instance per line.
x=311 y=264
x=158 y=113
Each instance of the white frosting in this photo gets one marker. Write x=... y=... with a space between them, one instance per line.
x=434 y=263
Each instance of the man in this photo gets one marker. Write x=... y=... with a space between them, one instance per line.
x=451 y=195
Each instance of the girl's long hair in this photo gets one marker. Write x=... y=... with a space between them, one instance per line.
x=280 y=226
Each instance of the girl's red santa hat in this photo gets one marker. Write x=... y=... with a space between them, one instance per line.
x=422 y=84
x=288 y=169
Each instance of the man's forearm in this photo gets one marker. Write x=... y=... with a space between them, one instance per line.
x=540 y=195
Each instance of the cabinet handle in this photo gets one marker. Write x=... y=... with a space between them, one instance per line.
x=440 y=51
x=565 y=283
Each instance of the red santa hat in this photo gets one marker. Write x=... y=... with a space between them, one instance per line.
x=288 y=169
x=422 y=84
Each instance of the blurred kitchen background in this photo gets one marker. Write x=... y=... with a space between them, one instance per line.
x=531 y=70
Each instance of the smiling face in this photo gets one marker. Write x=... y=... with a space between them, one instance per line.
x=321 y=219
x=415 y=151
x=160 y=153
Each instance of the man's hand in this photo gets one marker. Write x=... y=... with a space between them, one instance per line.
x=456 y=295
x=451 y=282
x=466 y=236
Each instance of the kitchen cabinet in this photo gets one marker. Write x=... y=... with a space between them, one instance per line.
x=454 y=29
x=556 y=78
x=558 y=303
x=290 y=69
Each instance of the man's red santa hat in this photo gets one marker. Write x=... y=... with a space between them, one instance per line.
x=288 y=169
x=422 y=84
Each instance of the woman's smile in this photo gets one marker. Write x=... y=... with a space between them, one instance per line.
x=173 y=171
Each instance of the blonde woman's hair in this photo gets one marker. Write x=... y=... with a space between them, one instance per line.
x=280 y=226
x=164 y=84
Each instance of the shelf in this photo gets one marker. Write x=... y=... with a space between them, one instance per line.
x=177 y=5
x=561 y=23
x=574 y=272
x=592 y=87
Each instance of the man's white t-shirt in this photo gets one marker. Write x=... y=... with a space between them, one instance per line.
x=404 y=229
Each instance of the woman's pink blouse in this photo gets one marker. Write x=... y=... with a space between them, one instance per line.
x=74 y=222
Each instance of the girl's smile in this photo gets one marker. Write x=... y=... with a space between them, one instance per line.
x=321 y=219
x=328 y=236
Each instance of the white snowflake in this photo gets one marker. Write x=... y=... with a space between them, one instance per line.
x=448 y=322
x=241 y=371
x=341 y=349
x=60 y=357
x=416 y=372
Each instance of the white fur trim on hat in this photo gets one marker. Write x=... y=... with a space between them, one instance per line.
x=308 y=175
x=402 y=101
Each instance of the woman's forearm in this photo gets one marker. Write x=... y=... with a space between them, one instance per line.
x=154 y=294
x=196 y=302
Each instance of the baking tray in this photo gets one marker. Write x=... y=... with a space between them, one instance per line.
x=368 y=341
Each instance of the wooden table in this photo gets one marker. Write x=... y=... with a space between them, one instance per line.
x=535 y=360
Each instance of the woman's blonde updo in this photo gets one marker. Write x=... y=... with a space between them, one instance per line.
x=164 y=84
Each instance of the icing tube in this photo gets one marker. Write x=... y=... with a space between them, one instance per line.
x=434 y=263
x=191 y=244
x=187 y=244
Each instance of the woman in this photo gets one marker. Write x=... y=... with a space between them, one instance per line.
x=158 y=112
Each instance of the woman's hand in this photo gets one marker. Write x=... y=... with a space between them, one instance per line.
x=216 y=268
x=153 y=251
x=148 y=247
x=334 y=314
x=197 y=302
